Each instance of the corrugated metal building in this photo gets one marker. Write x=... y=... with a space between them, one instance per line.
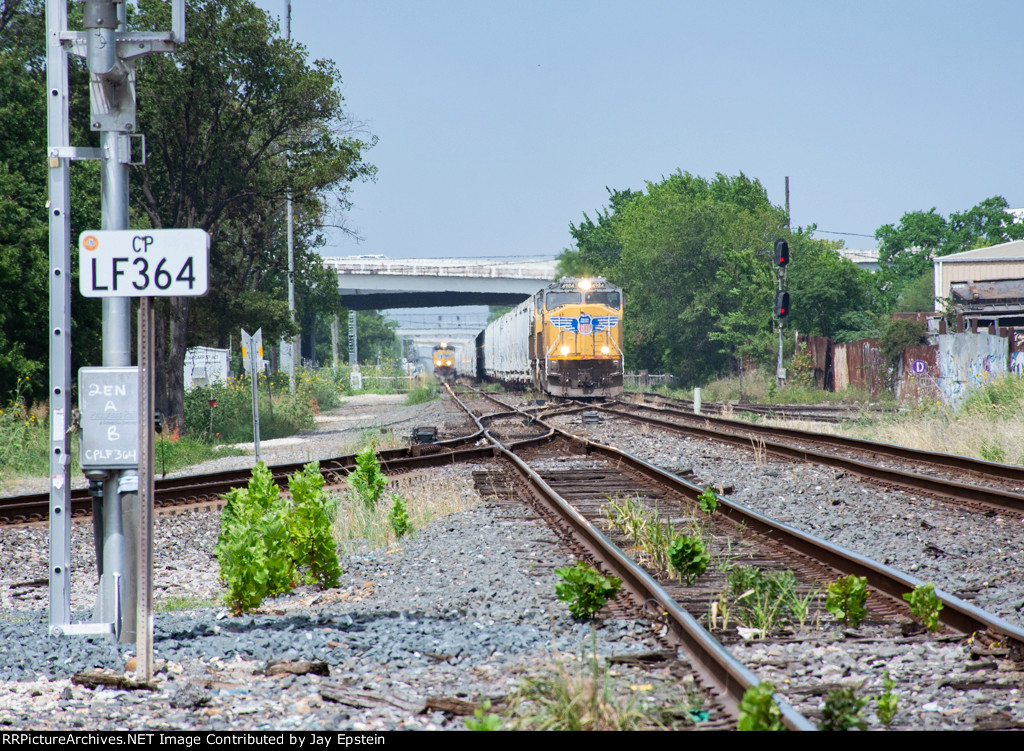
x=958 y=275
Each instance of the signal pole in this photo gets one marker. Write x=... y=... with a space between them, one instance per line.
x=110 y=52
x=781 y=259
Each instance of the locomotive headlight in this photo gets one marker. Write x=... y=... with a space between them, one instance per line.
x=605 y=350
x=565 y=349
x=585 y=284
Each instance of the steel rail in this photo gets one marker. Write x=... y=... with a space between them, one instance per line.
x=809 y=412
x=994 y=497
x=952 y=462
x=709 y=658
x=956 y=614
x=197 y=487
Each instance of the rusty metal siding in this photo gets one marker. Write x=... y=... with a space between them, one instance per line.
x=840 y=372
x=918 y=383
x=865 y=367
x=978 y=271
x=820 y=348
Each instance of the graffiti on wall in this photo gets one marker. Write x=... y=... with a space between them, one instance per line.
x=967 y=361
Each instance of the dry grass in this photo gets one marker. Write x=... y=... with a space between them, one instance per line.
x=950 y=432
x=989 y=425
x=577 y=699
x=427 y=495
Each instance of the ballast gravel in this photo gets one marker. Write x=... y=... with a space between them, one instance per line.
x=465 y=609
x=977 y=557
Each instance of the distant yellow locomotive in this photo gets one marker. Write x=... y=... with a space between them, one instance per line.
x=443 y=357
x=566 y=340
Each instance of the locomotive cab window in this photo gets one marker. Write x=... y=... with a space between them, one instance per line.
x=610 y=298
x=558 y=299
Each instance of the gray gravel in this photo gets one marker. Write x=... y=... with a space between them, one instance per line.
x=465 y=609
x=975 y=556
x=949 y=684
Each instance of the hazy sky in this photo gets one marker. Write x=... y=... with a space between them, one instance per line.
x=499 y=123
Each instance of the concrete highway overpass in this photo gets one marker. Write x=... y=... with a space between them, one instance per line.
x=378 y=283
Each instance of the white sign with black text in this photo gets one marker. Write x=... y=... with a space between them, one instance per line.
x=144 y=263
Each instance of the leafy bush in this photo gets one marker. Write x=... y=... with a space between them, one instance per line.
x=650 y=536
x=366 y=479
x=482 y=718
x=761 y=598
x=708 y=501
x=231 y=420
x=758 y=710
x=925 y=605
x=900 y=334
x=585 y=589
x=846 y=599
x=310 y=526
x=843 y=710
x=687 y=556
x=399 y=516
x=253 y=548
x=887 y=702
x=320 y=386
x=265 y=540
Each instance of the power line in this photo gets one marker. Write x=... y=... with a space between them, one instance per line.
x=852 y=234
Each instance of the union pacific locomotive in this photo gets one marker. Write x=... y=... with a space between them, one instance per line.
x=566 y=340
x=443 y=357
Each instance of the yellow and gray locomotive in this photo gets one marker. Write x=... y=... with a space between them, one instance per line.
x=566 y=340
x=443 y=358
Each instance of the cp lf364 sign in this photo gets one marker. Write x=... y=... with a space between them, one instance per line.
x=144 y=263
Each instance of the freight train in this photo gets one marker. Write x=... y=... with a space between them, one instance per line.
x=443 y=357
x=566 y=340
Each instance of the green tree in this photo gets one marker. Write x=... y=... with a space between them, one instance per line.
x=695 y=262
x=24 y=264
x=597 y=246
x=235 y=120
x=986 y=224
x=906 y=250
x=824 y=286
x=376 y=336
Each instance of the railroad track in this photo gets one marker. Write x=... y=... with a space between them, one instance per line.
x=972 y=482
x=827 y=413
x=590 y=475
x=587 y=473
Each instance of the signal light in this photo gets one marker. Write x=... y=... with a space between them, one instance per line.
x=782 y=304
x=781 y=252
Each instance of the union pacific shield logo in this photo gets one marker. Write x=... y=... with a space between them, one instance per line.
x=585 y=324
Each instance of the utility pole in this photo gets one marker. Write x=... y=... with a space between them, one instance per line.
x=291 y=348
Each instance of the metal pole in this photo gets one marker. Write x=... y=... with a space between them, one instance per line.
x=101 y=22
x=144 y=550
x=291 y=242
x=59 y=213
